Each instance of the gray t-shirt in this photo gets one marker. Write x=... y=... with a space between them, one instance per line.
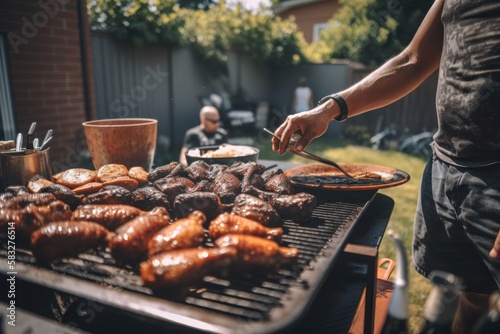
x=468 y=93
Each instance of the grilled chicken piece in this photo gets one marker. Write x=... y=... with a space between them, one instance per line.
x=129 y=243
x=173 y=186
x=5 y=197
x=268 y=174
x=139 y=174
x=183 y=268
x=148 y=197
x=226 y=186
x=256 y=209
x=206 y=202
x=279 y=183
x=203 y=185
x=64 y=194
x=31 y=217
x=258 y=253
x=66 y=239
x=110 y=172
x=37 y=182
x=298 y=207
x=198 y=170
x=240 y=169
x=111 y=195
x=111 y=216
x=17 y=190
x=172 y=169
x=75 y=177
x=183 y=233
x=228 y=223
x=24 y=199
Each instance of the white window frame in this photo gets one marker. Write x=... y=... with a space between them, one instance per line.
x=318 y=27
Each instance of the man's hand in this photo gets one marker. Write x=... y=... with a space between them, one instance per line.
x=495 y=251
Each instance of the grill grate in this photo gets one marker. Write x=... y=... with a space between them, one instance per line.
x=274 y=298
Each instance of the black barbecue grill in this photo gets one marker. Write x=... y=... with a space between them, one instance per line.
x=237 y=304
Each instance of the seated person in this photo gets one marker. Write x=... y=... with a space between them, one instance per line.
x=208 y=133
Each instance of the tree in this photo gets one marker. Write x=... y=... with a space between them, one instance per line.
x=369 y=31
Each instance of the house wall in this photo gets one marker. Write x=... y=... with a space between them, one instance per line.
x=307 y=15
x=50 y=85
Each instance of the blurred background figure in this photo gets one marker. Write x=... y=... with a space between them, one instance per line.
x=302 y=97
x=208 y=133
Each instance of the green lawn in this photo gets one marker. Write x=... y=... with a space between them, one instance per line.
x=405 y=197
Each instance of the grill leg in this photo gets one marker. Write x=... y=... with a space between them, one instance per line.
x=368 y=256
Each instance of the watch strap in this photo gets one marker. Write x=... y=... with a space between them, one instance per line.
x=344 y=111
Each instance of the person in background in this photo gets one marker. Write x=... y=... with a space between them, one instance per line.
x=457 y=223
x=208 y=133
x=302 y=97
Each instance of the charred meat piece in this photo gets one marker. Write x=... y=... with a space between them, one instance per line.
x=216 y=169
x=298 y=207
x=228 y=223
x=198 y=170
x=270 y=173
x=183 y=268
x=5 y=197
x=256 y=181
x=258 y=253
x=256 y=209
x=129 y=243
x=17 y=190
x=203 y=185
x=37 y=182
x=66 y=239
x=25 y=199
x=240 y=169
x=111 y=195
x=173 y=186
x=172 y=169
x=280 y=184
x=111 y=216
x=64 y=194
x=183 y=233
x=226 y=186
x=31 y=217
x=206 y=202
x=148 y=197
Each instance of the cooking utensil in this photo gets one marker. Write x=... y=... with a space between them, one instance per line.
x=35 y=144
x=19 y=142
x=47 y=136
x=311 y=156
x=325 y=177
x=45 y=142
x=29 y=137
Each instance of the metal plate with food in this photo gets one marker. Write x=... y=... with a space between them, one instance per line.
x=366 y=177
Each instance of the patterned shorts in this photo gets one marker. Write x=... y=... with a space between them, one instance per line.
x=457 y=221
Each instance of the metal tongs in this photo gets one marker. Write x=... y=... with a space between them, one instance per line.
x=311 y=156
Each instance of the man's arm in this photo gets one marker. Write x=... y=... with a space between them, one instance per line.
x=392 y=81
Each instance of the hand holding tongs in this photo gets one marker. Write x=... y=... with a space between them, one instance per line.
x=311 y=156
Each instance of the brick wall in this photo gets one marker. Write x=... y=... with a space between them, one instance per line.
x=48 y=84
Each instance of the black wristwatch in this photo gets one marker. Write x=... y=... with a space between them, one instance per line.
x=344 y=111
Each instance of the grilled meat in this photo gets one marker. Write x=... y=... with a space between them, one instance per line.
x=256 y=209
x=183 y=233
x=257 y=253
x=111 y=195
x=226 y=186
x=298 y=207
x=31 y=217
x=206 y=202
x=198 y=170
x=66 y=239
x=184 y=267
x=129 y=243
x=173 y=186
x=111 y=216
x=24 y=199
x=227 y=223
x=64 y=194
x=148 y=197
x=240 y=169
x=268 y=174
x=5 y=197
x=172 y=169
x=279 y=183
x=203 y=185
x=17 y=190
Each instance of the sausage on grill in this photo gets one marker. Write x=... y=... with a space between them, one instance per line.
x=110 y=216
x=227 y=223
x=66 y=239
x=129 y=243
x=185 y=267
